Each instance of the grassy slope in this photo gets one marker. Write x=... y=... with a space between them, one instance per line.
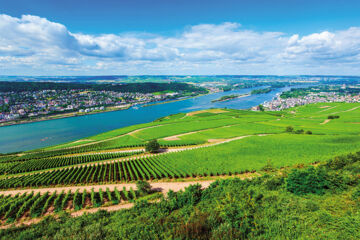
x=336 y=137
x=253 y=153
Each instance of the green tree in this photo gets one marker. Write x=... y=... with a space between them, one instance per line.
x=143 y=187
x=152 y=146
x=261 y=108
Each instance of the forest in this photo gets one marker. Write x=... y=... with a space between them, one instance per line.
x=146 y=87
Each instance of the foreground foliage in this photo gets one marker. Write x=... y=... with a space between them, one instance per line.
x=259 y=208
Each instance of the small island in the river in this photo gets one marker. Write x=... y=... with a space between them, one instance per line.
x=230 y=97
x=234 y=96
x=261 y=91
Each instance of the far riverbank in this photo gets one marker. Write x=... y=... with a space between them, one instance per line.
x=78 y=114
x=64 y=115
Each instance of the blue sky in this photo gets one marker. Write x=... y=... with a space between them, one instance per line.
x=86 y=37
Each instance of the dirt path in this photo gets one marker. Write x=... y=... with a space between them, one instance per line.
x=163 y=187
x=206 y=110
x=352 y=109
x=325 y=122
x=176 y=137
x=327 y=109
x=109 y=209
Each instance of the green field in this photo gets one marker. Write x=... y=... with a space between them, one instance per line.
x=212 y=142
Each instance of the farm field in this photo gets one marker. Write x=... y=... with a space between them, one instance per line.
x=204 y=143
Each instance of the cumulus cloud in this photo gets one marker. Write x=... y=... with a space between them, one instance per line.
x=341 y=46
x=32 y=42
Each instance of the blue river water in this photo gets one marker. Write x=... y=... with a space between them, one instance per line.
x=41 y=134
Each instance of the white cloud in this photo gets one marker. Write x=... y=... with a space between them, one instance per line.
x=35 y=45
x=318 y=48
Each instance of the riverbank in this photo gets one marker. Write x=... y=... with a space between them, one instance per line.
x=65 y=115
x=78 y=114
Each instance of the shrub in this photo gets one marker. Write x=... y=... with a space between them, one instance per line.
x=289 y=129
x=356 y=194
x=300 y=131
x=309 y=132
x=342 y=161
x=315 y=180
x=333 y=116
x=305 y=181
x=274 y=183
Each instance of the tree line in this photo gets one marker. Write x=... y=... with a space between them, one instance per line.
x=146 y=87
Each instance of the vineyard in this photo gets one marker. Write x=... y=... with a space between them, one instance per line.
x=148 y=168
x=198 y=146
x=265 y=140
x=45 y=163
x=107 y=145
x=35 y=205
x=217 y=160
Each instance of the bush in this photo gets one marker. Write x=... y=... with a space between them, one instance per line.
x=305 y=181
x=342 y=161
x=337 y=162
x=274 y=183
x=333 y=116
x=356 y=194
x=289 y=129
x=152 y=146
x=300 y=131
x=309 y=132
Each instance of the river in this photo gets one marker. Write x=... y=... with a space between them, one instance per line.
x=46 y=133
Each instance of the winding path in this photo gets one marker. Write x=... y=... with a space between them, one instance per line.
x=163 y=187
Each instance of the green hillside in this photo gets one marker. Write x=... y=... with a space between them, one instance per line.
x=200 y=146
x=204 y=143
